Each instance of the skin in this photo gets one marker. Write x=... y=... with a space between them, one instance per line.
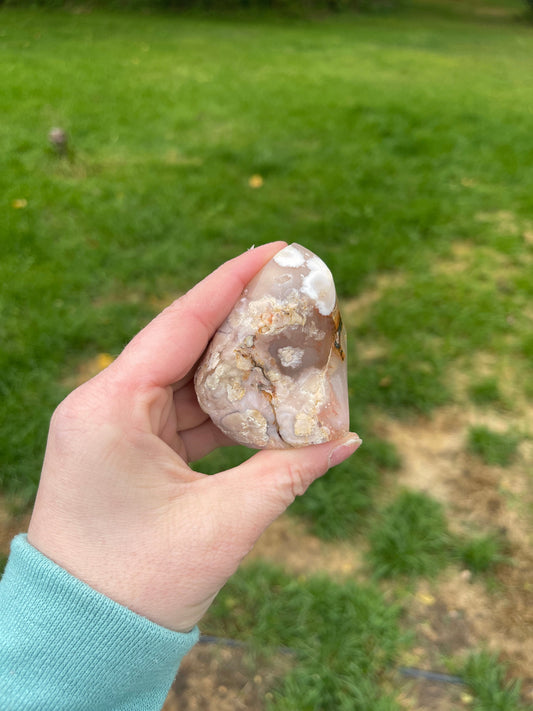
x=118 y=505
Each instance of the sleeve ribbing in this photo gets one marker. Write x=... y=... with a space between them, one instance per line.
x=65 y=646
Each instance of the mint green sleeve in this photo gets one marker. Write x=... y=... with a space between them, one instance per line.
x=65 y=646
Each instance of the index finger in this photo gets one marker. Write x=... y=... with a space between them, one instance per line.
x=168 y=347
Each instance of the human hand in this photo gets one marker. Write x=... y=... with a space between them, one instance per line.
x=119 y=507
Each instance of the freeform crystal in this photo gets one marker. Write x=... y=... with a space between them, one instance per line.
x=274 y=375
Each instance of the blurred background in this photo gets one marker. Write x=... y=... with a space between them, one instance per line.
x=142 y=144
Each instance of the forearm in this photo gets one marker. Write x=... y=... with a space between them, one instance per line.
x=63 y=645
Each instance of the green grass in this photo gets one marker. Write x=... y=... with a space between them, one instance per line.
x=486 y=677
x=410 y=537
x=493 y=447
x=396 y=145
x=337 y=505
x=343 y=637
x=374 y=166
x=486 y=392
x=481 y=553
x=449 y=317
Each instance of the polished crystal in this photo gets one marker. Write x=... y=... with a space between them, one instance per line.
x=274 y=375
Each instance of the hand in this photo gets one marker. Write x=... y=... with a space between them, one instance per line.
x=119 y=507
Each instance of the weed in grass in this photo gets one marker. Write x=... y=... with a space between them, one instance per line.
x=486 y=678
x=494 y=448
x=410 y=537
x=344 y=637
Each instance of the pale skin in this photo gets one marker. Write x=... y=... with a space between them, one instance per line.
x=118 y=505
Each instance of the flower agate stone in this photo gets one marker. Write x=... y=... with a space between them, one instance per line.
x=274 y=375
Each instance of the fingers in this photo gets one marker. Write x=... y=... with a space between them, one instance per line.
x=164 y=351
x=264 y=486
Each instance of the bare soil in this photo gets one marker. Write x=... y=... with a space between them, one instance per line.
x=224 y=678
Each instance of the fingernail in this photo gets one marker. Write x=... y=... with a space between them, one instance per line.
x=344 y=450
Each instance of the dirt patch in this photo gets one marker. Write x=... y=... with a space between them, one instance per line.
x=215 y=677
x=288 y=543
x=435 y=460
x=429 y=450
x=506 y=222
x=87 y=369
x=457 y=613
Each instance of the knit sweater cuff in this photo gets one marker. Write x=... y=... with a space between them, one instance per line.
x=64 y=645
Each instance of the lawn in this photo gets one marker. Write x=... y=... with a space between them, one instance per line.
x=395 y=145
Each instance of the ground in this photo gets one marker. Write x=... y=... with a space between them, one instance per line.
x=450 y=615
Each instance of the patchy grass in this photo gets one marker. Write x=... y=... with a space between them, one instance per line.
x=341 y=637
x=362 y=160
x=337 y=505
x=410 y=537
x=398 y=147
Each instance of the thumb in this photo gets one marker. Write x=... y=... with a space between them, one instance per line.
x=264 y=486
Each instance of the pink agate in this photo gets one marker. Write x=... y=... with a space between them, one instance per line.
x=274 y=374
